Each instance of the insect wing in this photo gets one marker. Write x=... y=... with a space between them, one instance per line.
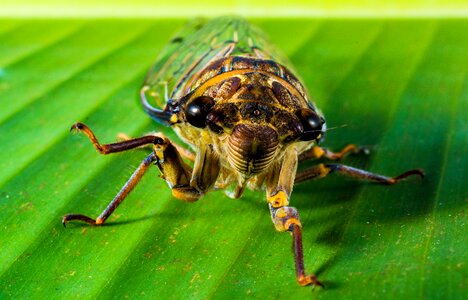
x=196 y=45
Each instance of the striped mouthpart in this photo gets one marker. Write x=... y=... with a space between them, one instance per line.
x=251 y=148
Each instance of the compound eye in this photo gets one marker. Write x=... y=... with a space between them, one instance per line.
x=197 y=110
x=311 y=123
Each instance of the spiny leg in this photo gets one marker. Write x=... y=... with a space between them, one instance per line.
x=114 y=147
x=317 y=152
x=322 y=170
x=186 y=183
x=126 y=189
x=173 y=169
x=286 y=218
x=131 y=183
x=122 y=137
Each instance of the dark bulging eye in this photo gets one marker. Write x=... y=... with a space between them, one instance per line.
x=311 y=123
x=197 y=110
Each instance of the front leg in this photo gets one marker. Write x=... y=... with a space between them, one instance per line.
x=114 y=147
x=286 y=218
x=186 y=183
x=184 y=152
x=280 y=182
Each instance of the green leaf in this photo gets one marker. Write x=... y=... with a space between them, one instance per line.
x=399 y=86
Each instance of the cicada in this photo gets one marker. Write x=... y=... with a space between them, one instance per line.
x=246 y=117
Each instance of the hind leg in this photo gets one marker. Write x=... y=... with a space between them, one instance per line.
x=322 y=170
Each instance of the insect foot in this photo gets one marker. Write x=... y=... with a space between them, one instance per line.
x=417 y=172
x=309 y=280
x=83 y=218
x=77 y=127
x=80 y=127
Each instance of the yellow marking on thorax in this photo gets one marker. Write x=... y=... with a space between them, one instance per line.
x=221 y=77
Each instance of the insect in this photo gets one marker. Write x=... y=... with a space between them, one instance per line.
x=247 y=118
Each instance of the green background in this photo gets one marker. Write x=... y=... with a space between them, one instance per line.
x=399 y=85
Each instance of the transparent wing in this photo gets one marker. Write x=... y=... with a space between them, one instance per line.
x=196 y=45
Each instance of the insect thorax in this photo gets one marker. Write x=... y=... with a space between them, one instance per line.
x=252 y=119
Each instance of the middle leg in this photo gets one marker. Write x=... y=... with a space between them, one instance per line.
x=121 y=195
x=317 y=152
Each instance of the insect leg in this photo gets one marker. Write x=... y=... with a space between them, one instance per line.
x=184 y=152
x=285 y=218
x=280 y=180
x=323 y=170
x=115 y=147
x=318 y=152
x=186 y=183
x=126 y=189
